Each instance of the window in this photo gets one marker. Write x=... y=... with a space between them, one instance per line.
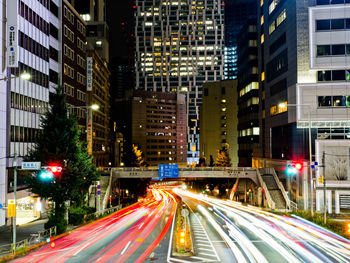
x=324 y=75
x=323 y=25
x=278 y=43
x=338 y=50
x=338 y=75
x=339 y=101
x=272 y=27
x=337 y=24
x=68 y=90
x=281 y=17
x=323 y=50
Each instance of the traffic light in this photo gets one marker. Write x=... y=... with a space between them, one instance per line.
x=292 y=169
x=49 y=172
x=54 y=169
x=45 y=175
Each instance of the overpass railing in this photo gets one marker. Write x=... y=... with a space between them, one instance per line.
x=155 y=168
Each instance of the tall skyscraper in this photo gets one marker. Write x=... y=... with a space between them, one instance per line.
x=236 y=14
x=178 y=47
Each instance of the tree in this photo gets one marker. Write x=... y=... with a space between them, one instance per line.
x=139 y=157
x=223 y=159
x=58 y=143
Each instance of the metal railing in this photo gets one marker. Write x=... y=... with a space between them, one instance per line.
x=108 y=210
x=270 y=202
x=155 y=168
x=36 y=238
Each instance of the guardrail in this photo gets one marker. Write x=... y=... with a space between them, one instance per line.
x=36 y=238
x=183 y=169
x=108 y=210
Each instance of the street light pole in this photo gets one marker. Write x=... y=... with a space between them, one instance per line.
x=311 y=179
x=15 y=200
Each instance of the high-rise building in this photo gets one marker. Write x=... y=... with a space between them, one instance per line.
x=99 y=119
x=178 y=47
x=303 y=67
x=218 y=120
x=159 y=122
x=236 y=14
x=23 y=101
x=97 y=32
x=248 y=92
x=73 y=65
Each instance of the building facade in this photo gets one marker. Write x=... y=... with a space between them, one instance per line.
x=99 y=94
x=73 y=66
x=218 y=120
x=236 y=14
x=179 y=46
x=159 y=123
x=24 y=100
x=303 y=64
x=248 y=92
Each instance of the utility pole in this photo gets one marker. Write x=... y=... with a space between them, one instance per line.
x=15 y=199
x=324 y=188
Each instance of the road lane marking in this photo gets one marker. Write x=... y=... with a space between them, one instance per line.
x=126 y=247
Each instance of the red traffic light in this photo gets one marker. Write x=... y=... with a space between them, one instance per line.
x=54 y=169
x=298 y=166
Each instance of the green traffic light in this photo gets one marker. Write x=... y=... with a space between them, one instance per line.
x=45 y=175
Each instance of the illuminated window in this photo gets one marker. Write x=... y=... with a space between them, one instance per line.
x=262 y=20
x=282 y=16
x=261 y=2
x=262 y=76
x=262 y=39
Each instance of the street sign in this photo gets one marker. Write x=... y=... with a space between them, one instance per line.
x=168 y=171
x=98 y=192
x=31 y=165
x=0 y=206
x=11 y=208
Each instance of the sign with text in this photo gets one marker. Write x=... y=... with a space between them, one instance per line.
x=31 y=165
x=11 y=208
x=168 y=171
x=12 y=34
x=89 y=64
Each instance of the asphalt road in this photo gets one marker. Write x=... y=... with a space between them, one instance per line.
x=133 y=234
x=249 y=234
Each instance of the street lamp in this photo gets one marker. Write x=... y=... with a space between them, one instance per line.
x=25 y=76
x=283 y=105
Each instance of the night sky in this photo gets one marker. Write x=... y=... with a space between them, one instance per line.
x=119 y=12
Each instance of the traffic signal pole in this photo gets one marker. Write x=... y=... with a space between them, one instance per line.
x=15 y=199
x=324 y=188
x=310 y=169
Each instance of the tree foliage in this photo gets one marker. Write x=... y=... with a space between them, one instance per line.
x=139 y=157
x=223 y=159
x=58 y=144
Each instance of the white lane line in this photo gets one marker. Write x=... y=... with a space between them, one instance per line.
x=126 y=247
x=141 y=225
x=83 y=247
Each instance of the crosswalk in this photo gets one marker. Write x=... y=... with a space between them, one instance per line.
x=203 y=248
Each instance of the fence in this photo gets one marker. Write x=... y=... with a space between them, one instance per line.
x=32 y=240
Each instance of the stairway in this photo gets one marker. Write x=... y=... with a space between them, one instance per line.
x=275 y=191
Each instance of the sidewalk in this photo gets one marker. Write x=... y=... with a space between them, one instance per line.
x=22 y=231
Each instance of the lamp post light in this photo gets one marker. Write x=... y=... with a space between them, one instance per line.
x=282 y=105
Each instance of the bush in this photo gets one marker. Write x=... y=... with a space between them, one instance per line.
x=76 y=215
x=61 y=224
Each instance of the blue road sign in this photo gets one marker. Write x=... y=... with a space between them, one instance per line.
x=98 y=192
x=0 y=206
x=168 y=171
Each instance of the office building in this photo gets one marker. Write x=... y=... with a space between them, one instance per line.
x=97 y=32
x=23 y=101
x=99 y=94
x=248 y=92
x=218 y=120
x=159 y=123
x=236 y=14
x=73 y=66
x=303 y=63
x=178 y=47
